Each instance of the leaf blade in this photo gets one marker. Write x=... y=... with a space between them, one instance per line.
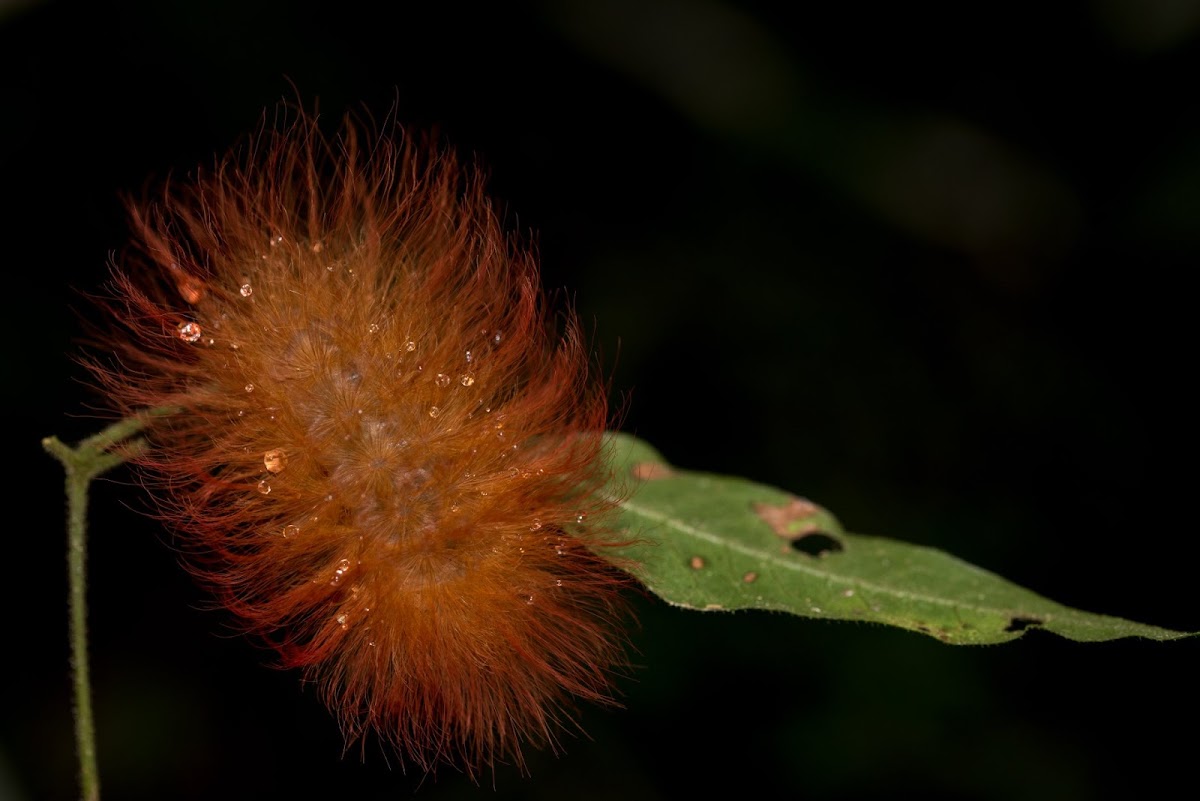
x=713 y=542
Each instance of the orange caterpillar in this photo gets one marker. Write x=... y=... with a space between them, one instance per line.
x=384 y=458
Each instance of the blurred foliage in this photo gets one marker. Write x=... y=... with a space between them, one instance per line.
x=926 y=262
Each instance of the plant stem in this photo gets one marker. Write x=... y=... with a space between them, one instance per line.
x=82 y=464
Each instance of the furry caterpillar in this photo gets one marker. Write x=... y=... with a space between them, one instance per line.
x=385 y=458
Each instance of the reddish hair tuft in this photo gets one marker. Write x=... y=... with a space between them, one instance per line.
x=385 y=456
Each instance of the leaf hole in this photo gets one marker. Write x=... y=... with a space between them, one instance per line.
x=1022 y=623
x=817 y=544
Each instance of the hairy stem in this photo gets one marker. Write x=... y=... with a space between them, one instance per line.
x=83 y=463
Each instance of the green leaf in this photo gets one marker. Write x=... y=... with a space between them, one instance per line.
x=720 y=543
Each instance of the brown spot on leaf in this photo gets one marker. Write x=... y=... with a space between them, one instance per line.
x=651 y=471
x=794 y=522
x=750 y=577
x=697 y=562
x=791 y=519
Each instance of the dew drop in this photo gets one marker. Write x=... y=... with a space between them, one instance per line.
x=317 y=247
x=697 y=563
x=470 y=358
x=496 y=338
x=466 y=379
x=210 y=341
x=579 y=518
x=276 y=240
x=190 y=289
x=275 y=460
x=529 y=600
x=434 y=411
x=535 y=525
x=410 y=346
x=341 y=619
x=189 y=332
x=373 y=328
x=442 y=380
x=246 y=290
x=454 y=508
x=290 y=531
x=558 y=582
x=249 y=387
x=342 y=568
x=264 y=487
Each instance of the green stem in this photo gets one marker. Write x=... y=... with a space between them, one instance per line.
x=82 y=464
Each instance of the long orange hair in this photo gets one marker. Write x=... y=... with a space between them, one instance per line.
x=385 y=456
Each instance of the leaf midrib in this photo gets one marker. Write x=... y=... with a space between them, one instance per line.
x=857 y=583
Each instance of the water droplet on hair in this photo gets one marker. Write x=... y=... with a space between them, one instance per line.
x=579 y=518
x=275 y=460
x=190 y=289
x=246 y=290
x=455 y=508
x=434 y=411
x=276 y=240
x=341 y=619
x=264 y=487
x=249 y=387
x=558 y=582
x=189 y=332
x=466 y=379
x=496 y=338
x=343 y=567
x=290 y=531
x=410 y=346
x=373 y=328
x=529 y=599
x=442 y=380
x=210 y=341
x=470 y=358
x=317 y=247
x=535 y=525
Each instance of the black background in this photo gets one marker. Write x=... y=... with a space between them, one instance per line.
x=925 y=263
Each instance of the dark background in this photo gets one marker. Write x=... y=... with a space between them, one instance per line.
x=924 y=262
